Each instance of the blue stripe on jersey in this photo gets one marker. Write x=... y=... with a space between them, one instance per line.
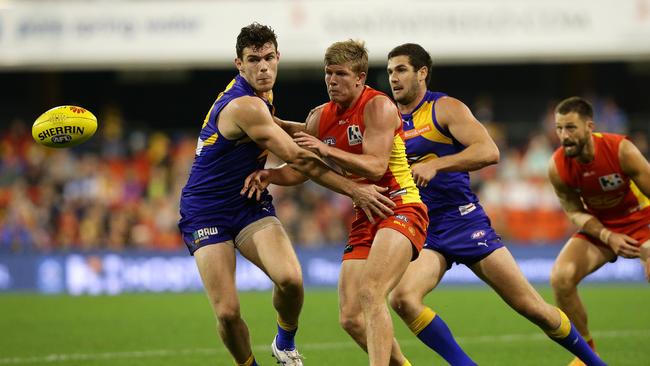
x=446 y=189
x=221 y=165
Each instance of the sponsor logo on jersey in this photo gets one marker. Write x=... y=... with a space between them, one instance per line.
x=416 y=132
x=354 y=135
x=402 y=217
x=203 y=234
x=330 y=140
x=465 y=209
x=478 y=234
x=610 y=182
x=482 y=243
x=396 y=193
x=343 y=121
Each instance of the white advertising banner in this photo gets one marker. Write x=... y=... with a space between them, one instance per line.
x=89 y=34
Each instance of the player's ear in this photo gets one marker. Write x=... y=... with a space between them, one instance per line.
x=361 y=78
x=239 y=64
x=277 y=54
x=590 y=124
x=422 y=73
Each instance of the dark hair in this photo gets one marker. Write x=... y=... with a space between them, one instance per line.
x=256 y=36
x=418 y=57
x=578 y=105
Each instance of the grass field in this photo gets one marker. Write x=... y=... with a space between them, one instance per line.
x=178 y=329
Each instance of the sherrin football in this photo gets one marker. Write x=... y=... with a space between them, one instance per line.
x=64 y=126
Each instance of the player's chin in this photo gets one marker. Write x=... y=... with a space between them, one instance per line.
x=570 y=151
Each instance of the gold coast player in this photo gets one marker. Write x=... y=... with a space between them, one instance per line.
x=362 y=131
x=603 y=183
x=216 y=219
x=444 y=141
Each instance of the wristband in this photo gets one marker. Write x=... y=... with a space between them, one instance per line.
x=604 y=235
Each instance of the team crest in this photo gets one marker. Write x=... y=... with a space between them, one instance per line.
x=610 y=182
x=354 y=135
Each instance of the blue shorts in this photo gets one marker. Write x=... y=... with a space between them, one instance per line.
x=202 y=230
x=461 y=238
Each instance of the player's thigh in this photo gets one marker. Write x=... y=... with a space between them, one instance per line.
x=269 y=248
x=422 y=275
x=578 y=258
x=501 y=272
x=348 y=287
x=216 y=264
x=389 y=257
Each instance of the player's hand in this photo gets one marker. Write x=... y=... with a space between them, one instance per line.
x=255 y=184
x=369 y=198
x=423 y=173
x=312 y=143
x=623 y=245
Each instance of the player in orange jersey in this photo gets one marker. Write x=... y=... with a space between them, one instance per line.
x=359 y=130
x=603 y=183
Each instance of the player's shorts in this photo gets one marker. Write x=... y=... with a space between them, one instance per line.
x=462 y=238
x=636 y=225
x=410 y=220
x=229 y=225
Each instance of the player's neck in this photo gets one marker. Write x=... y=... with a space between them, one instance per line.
x=588 y=152
x=344 y=106
x=408 y=108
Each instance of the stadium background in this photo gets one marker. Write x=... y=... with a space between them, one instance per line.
x=101 y=218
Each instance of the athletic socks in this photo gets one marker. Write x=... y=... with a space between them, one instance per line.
x=286 y=334
x=568 y=337
x=249 y=362
x=433 y=332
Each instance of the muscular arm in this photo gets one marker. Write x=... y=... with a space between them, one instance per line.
x=480 y=150
x=381 y=120
x=571 y=203
x=635 y=166
x=291 y=127
x=251 y=115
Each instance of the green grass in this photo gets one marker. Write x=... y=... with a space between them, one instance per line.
x=178 y=329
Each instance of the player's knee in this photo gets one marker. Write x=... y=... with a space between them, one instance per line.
x=369 y=297
x=227 y=314
x=351 y=323
x=563 y=278
x=291 y=283
x=401 y=301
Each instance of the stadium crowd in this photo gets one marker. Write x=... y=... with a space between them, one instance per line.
x=120 y=189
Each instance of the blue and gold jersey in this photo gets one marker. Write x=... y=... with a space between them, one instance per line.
x=221 y=165
x=426 y=139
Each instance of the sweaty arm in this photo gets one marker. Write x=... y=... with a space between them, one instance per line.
x=381 y=120
x=571 y=203
x=480 y=150
x=251 y=115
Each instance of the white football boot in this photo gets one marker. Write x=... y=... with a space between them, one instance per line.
x=286 y=358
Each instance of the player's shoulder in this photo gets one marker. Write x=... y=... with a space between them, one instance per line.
x=246 y=104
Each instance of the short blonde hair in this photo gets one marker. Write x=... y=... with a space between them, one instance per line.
x=350 y=52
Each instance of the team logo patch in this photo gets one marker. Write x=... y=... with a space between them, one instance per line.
x=354 y=135
x=203 y=234
x=478 y=234
x=330 y=140
x=610 y=182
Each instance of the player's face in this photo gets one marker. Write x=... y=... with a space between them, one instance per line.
x=403 y=79
x=342 y=83
x=259 y=66
x=574 y=132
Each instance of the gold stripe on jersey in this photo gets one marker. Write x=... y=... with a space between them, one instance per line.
x=423 y=123
x=640 y=197
x=401 y=171
x=211 y=140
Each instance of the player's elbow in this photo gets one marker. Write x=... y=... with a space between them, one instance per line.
x=492 y=155
x=376 y=172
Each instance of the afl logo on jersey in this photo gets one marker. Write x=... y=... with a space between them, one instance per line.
x=610 y=182
x=330 y=140
x=354 y=135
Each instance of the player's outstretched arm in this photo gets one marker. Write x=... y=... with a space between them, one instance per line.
x=251 y=115
x=572 y=205
x=381 y=119
x=635 y=166
x=291 y=127
x=480 y=150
